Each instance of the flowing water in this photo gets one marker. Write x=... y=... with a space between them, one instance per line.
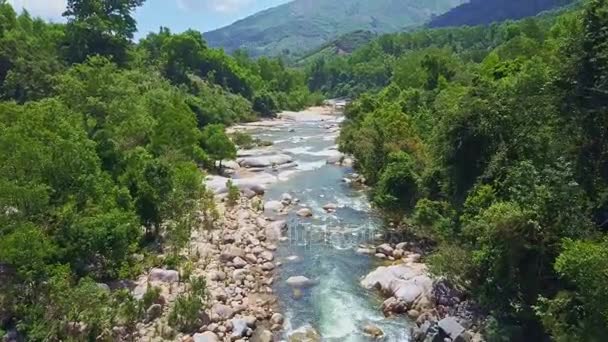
x=323 y=248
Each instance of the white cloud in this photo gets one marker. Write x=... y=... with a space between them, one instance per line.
x=47 y=9
x=220 y=6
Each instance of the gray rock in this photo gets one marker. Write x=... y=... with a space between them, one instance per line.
x=231 y=252
x=261 y=334
x=222 y=311
x=251 y=258
x=265 y=161
x=385 y=249
x=451 y=327
x=401 y=245
x=274 y=206
x=304 y=334
x=239 y=263
x=304 y=212
x=267 y=266
x=286 y=199
x=239 y=328
x=276 y=318
x=267 y=256
x=239 y=274
x=373 y=331
x=330 y=207
x=165 y=276
x=216 y=275
x=364 y=251
x=300 y=281
x=207 y=336
x=153 y=312
x=274 y=230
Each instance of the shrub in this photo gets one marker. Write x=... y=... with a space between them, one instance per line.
x=234 y=194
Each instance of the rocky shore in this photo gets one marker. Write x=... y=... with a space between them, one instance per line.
x=439 y=311
x=237 y=261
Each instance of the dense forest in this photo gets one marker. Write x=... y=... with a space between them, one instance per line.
x=103 y=143
x=488 y=142
x=492 y=142
x=477 y=12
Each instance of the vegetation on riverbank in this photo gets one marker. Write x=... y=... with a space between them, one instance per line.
x=492 y=141
x=103 y=142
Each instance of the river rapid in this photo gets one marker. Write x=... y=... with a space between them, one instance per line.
x=323 y=248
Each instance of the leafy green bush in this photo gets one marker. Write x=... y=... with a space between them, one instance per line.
x=234 y=194
x=185 y=315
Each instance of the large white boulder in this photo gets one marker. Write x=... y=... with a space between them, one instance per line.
x=265 y=161
x=404 y=282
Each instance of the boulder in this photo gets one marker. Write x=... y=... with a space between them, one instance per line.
x=261 y=334
x=264 y=161
x=401 y=245
x=216 y=275
x=207 y=336
x=373 y=330
x=239 y=328
x=364 y=251
x=300 y=281
x=404 y=282
x=330 y=207
x=450 y=327
x=305 y=212
x=304 y=334
x=221 y=311
x=239 y=263
x=153 y=312
x=267 y=266
x=274 y=230
x=286 y=199
x=276 y=318
x=274 y=206
x=165 y=276
x=240 y=274
x=267 y=255
x=231 y=252
x=385 y=249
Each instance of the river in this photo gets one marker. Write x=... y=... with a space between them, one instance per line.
x=323 y=247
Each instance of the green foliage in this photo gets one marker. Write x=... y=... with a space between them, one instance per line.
x=185 y=315
x=102 y=148
x=217 y=144
x=234 y=194
x=491 y=140
x=98 y=27
x=399 y=183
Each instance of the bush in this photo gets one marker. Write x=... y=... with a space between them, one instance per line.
x=234 y=194
x=185 y=315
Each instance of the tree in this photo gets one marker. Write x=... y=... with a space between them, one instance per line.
x=217 y=144
x=100 y=27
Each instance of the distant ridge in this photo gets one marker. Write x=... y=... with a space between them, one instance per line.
x=478 y=12
x=300 y=26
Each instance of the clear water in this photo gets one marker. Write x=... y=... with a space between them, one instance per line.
x=337 y=307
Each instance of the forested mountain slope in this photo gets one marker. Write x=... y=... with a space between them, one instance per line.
x=303 y=25
x=478 y=12
x=491 y=142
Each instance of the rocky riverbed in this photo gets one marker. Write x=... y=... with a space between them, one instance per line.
x=301 y=257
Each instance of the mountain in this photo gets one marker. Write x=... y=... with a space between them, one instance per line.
x=479 y=12
x=303 y=25
x=342 y=45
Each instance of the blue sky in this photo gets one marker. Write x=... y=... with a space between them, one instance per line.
x=178 y=15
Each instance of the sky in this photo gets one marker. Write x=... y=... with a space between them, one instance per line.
x=178 y=15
